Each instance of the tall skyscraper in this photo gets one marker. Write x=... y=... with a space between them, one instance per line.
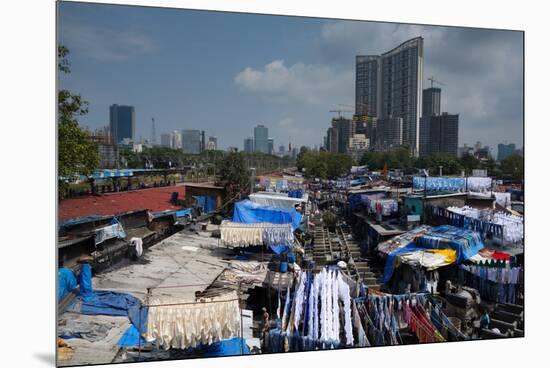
x=191 y=141
x=122 y=122
x=332 y=140
x=431 y=101
x=367 y=77
x=261 y=138
x=389 y=133
x=438 y=131
x=270 y=144
x=505 y=151
x=166 y=140
x=249 y=144
x=390 y=86
x=343 y=130
x=439 y=134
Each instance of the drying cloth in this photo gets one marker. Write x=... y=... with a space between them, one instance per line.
x=431 y=259
x=88 y=330
x=243 y=235
x=189 y=325
x=115 y=230
x=138 y=244
x=343 y=294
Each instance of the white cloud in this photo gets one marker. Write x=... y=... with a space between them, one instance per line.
x=103 y=44
x=313 y=84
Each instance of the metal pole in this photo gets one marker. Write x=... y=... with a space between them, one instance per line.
x=241 y=312
x=139 y=335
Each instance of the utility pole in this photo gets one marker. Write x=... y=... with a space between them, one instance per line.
x=252 y=179
x=153 y=132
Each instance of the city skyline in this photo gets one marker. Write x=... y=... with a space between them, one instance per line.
x=287 y=76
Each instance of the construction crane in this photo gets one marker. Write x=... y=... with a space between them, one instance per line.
x=357 y=103
x=340 y=112
x=432 y=80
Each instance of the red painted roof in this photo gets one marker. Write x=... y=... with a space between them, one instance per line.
x=153 y=199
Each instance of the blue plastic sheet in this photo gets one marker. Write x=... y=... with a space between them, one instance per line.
x=227 y=347
x=279 y=249
x=295 y=194
x=249 y=212
x=184 y=212
x=109 y=303
x=466 y=243
x=66 y=281
x=207 y=203
x=86 y=291
x=130 y=338
x=390 y=261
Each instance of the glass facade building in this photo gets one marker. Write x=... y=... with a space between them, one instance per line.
x=390 y=86
x=191 y=141
x=122 y=122
x=261 y=139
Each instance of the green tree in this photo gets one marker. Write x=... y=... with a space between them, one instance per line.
x=234 y=175
x=77 y=154
x=338 y=164
x=324 y=165
x=469 y=163
x=512 y=166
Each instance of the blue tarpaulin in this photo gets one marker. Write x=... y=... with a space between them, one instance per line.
x=86 y=291
x=390 y=261
x=466 y=243
x=279 y=249
x=82 y=220
x=295 y=194
x=184 y=212
x=227 y=347
x=207 y=203
x=252 y=213
x=66 y=281
x=130 y=338
x=109 y=303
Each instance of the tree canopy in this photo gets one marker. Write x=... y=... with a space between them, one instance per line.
x=324 y=165
x=400 y=158
x=77 y=154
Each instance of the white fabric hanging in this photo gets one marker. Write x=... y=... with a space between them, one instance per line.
x=138 y=244
x=188 y=325
x=344 y=295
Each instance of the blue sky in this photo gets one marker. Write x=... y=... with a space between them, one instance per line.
x=225 y=72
